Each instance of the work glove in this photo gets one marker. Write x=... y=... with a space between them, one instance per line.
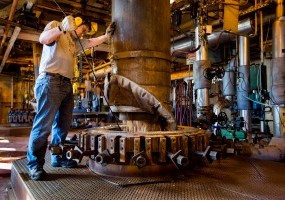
x=68 y=24
x=110 y=30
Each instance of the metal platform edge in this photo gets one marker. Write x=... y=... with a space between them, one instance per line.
x=18 y=187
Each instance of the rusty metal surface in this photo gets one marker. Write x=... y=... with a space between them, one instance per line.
x=231 y=178
x=141 y=49
x=152 y=153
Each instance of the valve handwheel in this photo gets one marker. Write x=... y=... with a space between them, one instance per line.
x=222 y=118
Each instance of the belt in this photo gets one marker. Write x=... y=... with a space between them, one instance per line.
x=57 y=76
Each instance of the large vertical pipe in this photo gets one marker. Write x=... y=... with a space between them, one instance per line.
x=279 y=8
x=141 y=50
x=142 y=44
x=243 y=81
x=278 y=70
x=201 y=84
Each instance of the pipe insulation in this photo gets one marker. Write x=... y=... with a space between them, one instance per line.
x=278 y=60
x=201 y=84
x=245 y=27
x=243 y=75
x=243 y=86
x=229 y=79
x=199 y=68
x=278 y=70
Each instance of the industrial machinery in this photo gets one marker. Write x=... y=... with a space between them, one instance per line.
x=146 y=137
x=89 y=103
x=146 y=140
x=234 y=130
x=158 y=131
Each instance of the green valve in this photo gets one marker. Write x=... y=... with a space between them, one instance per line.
x=233 y=134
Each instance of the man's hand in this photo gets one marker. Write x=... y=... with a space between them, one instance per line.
x=68 y=24
x=110 y=30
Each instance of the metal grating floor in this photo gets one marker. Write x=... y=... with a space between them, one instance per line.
x=231 y=178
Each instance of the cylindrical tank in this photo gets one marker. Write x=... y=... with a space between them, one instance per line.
x=142 y=48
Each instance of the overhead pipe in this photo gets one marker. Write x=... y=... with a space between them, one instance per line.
x=246 y=27
x=102 y=72
x=189 y=25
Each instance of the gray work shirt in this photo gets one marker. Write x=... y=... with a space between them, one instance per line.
x=59 y=57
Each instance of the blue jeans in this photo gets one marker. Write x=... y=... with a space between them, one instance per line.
x=54 y=114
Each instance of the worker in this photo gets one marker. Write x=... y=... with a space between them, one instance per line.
x=53 y=90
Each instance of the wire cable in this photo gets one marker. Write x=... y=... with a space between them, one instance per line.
x=258 y=102
x=59 y=8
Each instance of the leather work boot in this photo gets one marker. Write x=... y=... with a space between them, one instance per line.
x=37 y=174
x=65 y=163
